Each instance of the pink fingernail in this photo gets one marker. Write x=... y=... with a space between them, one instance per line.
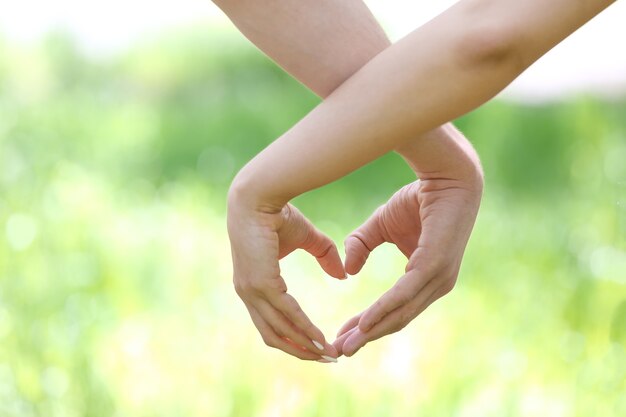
x=329 y=358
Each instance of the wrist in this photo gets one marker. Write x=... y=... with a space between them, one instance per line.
x=246 y=193
x=444 y=153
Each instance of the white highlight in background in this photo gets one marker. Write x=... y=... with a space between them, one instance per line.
x=591 y=60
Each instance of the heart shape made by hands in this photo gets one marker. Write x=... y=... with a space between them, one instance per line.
x=428 y=220
x=430 y=226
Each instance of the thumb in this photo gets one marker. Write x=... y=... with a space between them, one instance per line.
x=325 y=251
x=299 y=232
x=361 y=242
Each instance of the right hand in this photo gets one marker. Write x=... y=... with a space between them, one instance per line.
x=430 y=222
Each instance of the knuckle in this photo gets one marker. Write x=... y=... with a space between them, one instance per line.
x=242 y=288
x=432 y=264
x=257 y=287
x=304 y=324
x=295 y=314
x=295 y=308
x=312 y=331
x=238 y=288
x=299 y=315
x=353 y=238
x=269 y=341
x=402 y=295
x=377 y=309
x=273 y=285
x=397 y=328
x=447 y=286
x=405 y=318
x=404 y=324
x=247 y=287
x=322 y=247
x=429 y=262
x=379 y=210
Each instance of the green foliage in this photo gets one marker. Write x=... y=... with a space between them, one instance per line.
x=115 y=292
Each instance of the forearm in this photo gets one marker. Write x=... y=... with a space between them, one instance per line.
x=440 y=71
x=444 y=153
x=319 y=42
x=322 y=43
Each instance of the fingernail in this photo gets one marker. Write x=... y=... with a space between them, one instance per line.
x=346 y=276
x=318 y=344
x=323 y=361
x=329 y=358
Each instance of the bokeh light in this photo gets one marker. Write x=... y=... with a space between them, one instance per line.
x=115 y=278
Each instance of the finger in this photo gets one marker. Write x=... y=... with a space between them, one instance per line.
x=356 y=340
x=320 y=246
x=405 y=290
x=339 y=342
x=394 y=321
x=349 y=324
x=303 y=234
x=288 y=305
x=323 y=358
x=362 y=241
x=284 y=328
x=330 y=261
x=271 y=339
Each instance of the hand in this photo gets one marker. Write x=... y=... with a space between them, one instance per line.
x=258 y=240
x=430 y=221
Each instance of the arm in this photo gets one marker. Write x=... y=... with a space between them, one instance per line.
x=440 y=71
x=322 y=43
x=319 y=42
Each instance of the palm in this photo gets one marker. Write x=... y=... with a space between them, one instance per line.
x=399 y=220
x=430 y=215
x=258 y=241
x=430 y=222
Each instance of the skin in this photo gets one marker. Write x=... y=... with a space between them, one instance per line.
x=467 y=55
x=257 y=244
x=430 y=222
x=322 y=58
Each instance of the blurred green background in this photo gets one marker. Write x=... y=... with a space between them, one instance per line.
x=115 y=277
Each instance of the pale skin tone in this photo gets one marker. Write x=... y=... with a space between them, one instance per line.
x=322 y=58
x=467 y=55
x=350 y=38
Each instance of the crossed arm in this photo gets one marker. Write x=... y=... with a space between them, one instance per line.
x=447 y=67
x=322 y=53
x=467 y=54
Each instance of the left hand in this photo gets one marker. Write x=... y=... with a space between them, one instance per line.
x=430 y=221
x=259 y=238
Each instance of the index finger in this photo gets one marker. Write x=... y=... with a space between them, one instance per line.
x=400 y=294
x=288 y=305
x=391 y=322
x=271 y=339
